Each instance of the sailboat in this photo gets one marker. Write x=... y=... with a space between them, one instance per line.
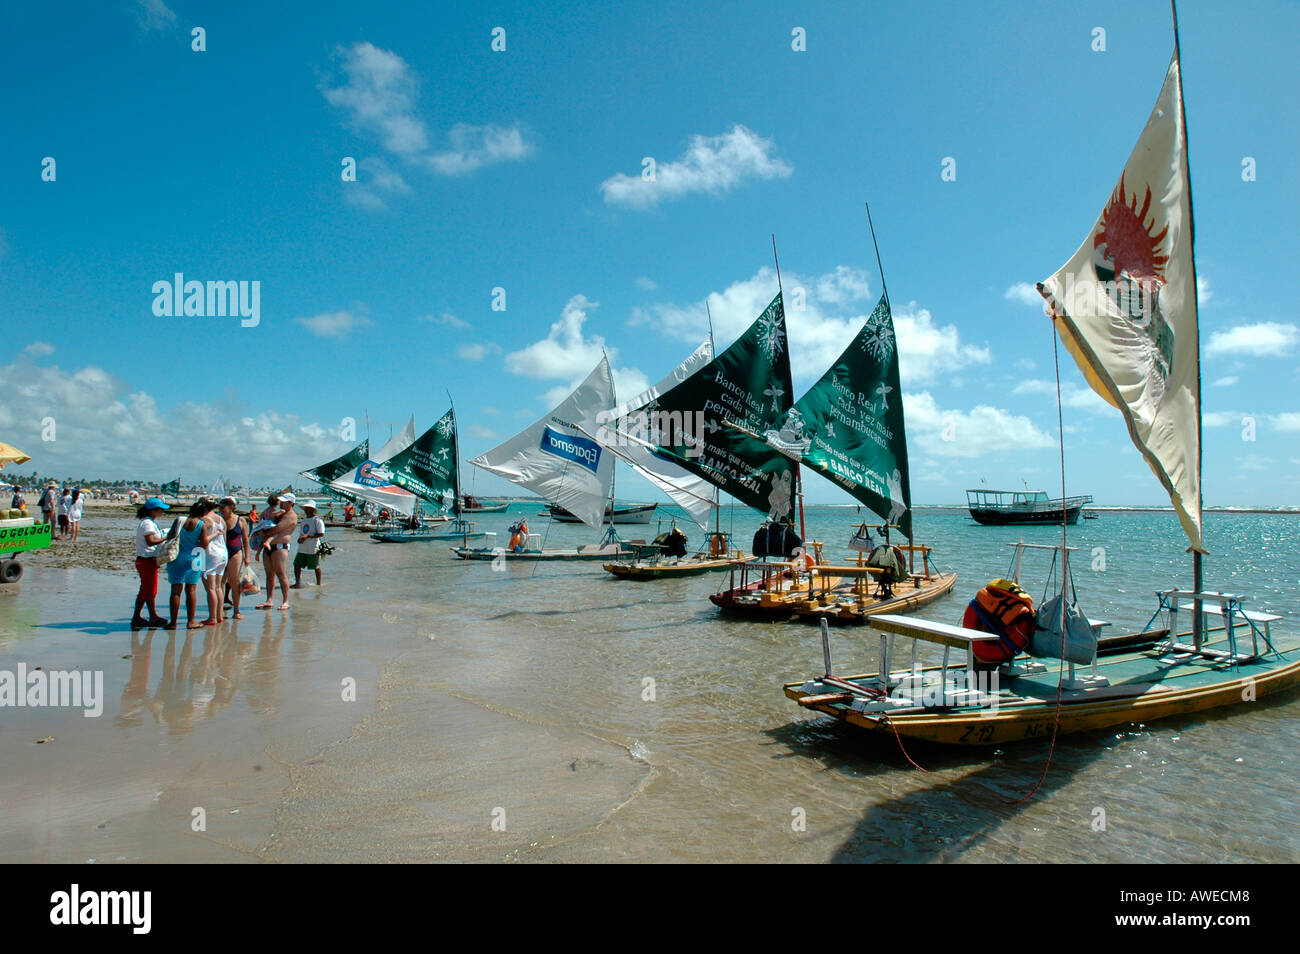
x=847 y=428
x=1125 y=307
x=556 y=458
x=716 y=415
x=324 y=474
x=371 y=480
x=632 y=431
x=430 y=469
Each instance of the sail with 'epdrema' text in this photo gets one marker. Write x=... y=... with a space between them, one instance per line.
x=558 y=458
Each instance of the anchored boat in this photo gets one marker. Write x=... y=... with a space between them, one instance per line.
x=557 y=459
x=1125 y=308
x=1002 y=507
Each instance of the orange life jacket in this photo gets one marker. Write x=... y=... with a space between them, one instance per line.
x=1003 y=608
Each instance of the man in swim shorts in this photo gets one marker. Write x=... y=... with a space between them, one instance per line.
x=276 y=541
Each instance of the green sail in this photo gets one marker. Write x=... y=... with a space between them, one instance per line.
x=339 y=466
x=849 y=426
x=428 y=467
x=172 y=487
x=747 y=386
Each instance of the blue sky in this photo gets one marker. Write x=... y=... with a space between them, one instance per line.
x=521 y=170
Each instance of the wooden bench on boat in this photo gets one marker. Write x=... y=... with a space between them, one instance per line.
x=920 y=630
x=1226 y=606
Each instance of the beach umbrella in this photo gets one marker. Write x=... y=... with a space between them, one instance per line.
x=11 y=455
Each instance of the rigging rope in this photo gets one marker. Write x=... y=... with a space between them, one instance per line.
x=1060 y=676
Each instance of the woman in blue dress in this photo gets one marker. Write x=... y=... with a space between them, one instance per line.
x=186 y=571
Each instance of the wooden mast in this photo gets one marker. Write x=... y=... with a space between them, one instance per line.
x=798 y=478
x=1198 y=580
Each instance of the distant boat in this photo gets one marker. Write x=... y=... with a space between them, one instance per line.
x=471 y=504
x=641 y=513
x=1002 y=507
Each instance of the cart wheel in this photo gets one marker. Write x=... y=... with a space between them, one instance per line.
x=11 y=571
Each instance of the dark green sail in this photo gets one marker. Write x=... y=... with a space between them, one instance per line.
x=428 y=467
x=849 y=426
x=709 y=423
x=336 y=468
x=171 y=487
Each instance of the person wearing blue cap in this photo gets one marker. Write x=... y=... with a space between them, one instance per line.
x=148 y=538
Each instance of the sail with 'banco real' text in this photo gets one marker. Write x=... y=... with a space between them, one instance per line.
x=741 y=393
x=427 y=468
x=372 y=481
x=849 y=426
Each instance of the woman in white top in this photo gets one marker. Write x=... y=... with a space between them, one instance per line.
x=65 y=501
x=75 y=506
x=148 y=538
x=214 y=572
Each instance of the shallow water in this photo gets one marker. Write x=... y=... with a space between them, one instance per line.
x=519 y=696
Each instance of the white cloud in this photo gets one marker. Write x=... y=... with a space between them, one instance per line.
x=476 y=352
x=817 y=335
x=565 y=352
x=1072 y=395
x=483 y=433
x=974 y=433
x=1263 y=339
x=105 y=429
x=446 y=318
x=712 y=164
x=1203 y=290
x=153 y=15
x=39 y=349
x=1221 y=418
x=1288 y=421
x=1225 y=382
x=379 y=96
x=476 y=146
x=646 y=284
x=375 y=180
x=1026 y=294
x=334 y=324
x=491 y=411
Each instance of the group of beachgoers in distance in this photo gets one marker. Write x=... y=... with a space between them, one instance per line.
x=65 y=504
x=215 y=545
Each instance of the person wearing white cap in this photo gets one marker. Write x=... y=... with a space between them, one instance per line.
x=276 y=541
x=310 y=536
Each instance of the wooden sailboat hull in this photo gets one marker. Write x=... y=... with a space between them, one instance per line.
x=843 y=606
x=1143 y=688
x=622 y=515
x=422 y=536
x=662 y=571
x=581 y=553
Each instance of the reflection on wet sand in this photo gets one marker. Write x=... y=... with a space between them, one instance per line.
x=201 y=674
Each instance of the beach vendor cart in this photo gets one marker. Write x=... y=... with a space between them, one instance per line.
x=18 y=533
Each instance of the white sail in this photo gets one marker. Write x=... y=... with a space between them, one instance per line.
x=621 y=424
x=557 y=458
x=218 y=489
x=372 y=481
x=1125 y=306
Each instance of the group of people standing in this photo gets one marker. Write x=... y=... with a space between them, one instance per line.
x=64 y=504
x=216 y=546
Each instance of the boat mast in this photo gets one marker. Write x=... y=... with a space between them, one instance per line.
x=798 y=479
x=884 y=290
x=1197 y=571
x=717 y=495
x=455 y=452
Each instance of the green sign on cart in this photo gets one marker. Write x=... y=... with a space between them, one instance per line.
x=27 y=537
